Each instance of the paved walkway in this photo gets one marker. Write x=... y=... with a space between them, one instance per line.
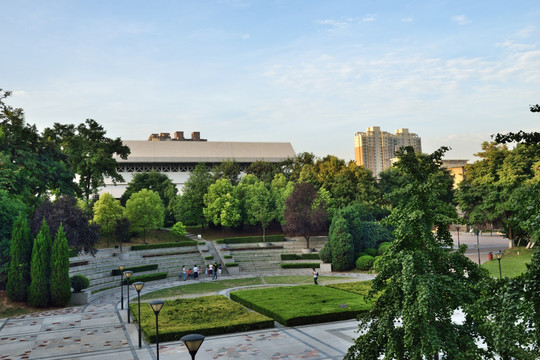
x=99 y=331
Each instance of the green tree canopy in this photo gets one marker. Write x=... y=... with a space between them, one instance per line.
x=40 y=268
x=188 y=208
x=145 y=210
x=222 y=208
x=260 y=206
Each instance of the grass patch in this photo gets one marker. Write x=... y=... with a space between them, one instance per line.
x=513 y=262
x=201 y=288
x=208 y=315
x=303 y=304
x=299 y=279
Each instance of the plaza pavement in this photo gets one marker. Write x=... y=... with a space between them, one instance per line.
x=99 y=331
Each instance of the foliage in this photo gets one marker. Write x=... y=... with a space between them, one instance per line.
x=164 y=245
x=264 y=170
x=81 y=235
x=141 y=268
x=144 y=210
x=121 y=231
x=79 y=283
x=60 y=282
x=371 y=251
x=178 y=229
x=231 y=264
x=40 y=268
x=259 y=204
x=365 y=262
x=157 y=182
x=10 y=208
x=222 y=208
x=188 y=208
x=20 y=257
x=383 y=248
x=300 y=265
x=227 y=170
x=312 y=256
x=422 y=283
x=325 y=253
x=89 y=153
x=249 y=239
x=280 y=189
x=107 y=211
x=301 y=217
x=208 y=315
x=305 y=304
x=341 y=243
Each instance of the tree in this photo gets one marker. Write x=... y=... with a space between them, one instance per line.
x=264 y=170
x=260 y=206
x=341 y=245
x=188 y=208
x=60 y=282
x=40 y=269
x=157 y=182
x=280 y=189
x=20 y=257
x=420 y=283
x=90 y=153
x=301 y=217
x=10 y=208
x=121 y=231
x=107 y=210
x=215 y=199
x=82 y=236
x=178 y=229
x=228 y=169
x=145 y=210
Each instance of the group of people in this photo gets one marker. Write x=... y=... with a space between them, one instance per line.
x=213 y=270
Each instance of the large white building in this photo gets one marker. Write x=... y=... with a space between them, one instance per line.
x=374 y=148
x=177 y=157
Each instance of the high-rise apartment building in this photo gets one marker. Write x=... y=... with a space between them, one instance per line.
x=375 y=149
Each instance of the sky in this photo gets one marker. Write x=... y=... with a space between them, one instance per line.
x=308 y=72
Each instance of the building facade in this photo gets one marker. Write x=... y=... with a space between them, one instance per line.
x=375 y=149
x=177 y=157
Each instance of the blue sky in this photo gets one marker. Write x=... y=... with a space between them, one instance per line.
x=308 y=72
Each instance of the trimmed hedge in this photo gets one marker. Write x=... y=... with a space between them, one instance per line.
x=365 y=262
x=146 y=278
x=78 y=263
x=233 y=264
x=250 y=239
x=164 y=245
x=116 y=272
x=73 y=252
x=209 y=257
x=227 y=257
x=171 y=254
x=254 y=248
x=79 y=282
x=312 y=256
x=300 y=265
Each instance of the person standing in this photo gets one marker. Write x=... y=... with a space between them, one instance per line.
x=195 y=272
x=315 y=276
x=184 y=274
x=214 y=275
x=219 y=269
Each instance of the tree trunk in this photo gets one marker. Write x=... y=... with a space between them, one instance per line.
x=264 y=234
x=307 y=241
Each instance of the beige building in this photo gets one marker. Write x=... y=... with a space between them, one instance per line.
x=374 y=149
x=176 y=157
x=456 y=168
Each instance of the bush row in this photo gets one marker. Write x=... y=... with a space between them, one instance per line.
x=299 y=265
x=164 y=245
x=232 y=264
x=171 y=254
x=312 y=256
x=145 y=278
x=135 y=269
x=250 y=239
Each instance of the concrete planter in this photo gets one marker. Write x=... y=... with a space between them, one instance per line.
x=203 y=248
x=265 y=244
x=80 y=298
x=307 y=251
x=325 y=268
x=233 y=270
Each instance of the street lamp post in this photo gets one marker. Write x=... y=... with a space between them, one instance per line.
x=193 y=343
x=121 y=268
x=156 y=306
x=138 y=286
x=458 y=243
x=499 y=255
x=128 y=274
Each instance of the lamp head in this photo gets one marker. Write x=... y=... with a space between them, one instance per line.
x=156 y=305
x=128 y=274
x=193 y=342
x=138 y=286
x=121 y=267
x=499 y=254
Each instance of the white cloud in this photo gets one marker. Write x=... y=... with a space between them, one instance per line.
x=334 y=23
x=407 y=19
x=368 y=18
x=461 y=19
x=526 y=32
x=515 y=46
x=245 y=36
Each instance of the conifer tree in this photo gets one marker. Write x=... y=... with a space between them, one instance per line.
x=20 y=253
x=341 y=244
x=40 y=268
x=60 y=282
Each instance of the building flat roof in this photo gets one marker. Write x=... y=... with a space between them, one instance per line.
x=205 y=151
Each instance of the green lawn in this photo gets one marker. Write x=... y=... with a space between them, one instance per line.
x=207 y=315
x=303 y=304
x=513 y=262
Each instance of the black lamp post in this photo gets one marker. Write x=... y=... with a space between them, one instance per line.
x=499 y=255
x=121 y=268
x=193 y=343
x=156 y=306
x=138 y=286
x=128 y=274
x=478 y=245
x=458 y=243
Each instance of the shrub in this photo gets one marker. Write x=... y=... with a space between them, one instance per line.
x=135 y=269
x=364 y=262
x=163 y=245
x=232 y=264
x=178 y=229
x=227 y=257
x=21 y=255
x=371 y=252
x=342 y=245
x=73 y=253
x=376 y=263
x=209 y=257
x=79 y=282
x=146 y=278
x=311 y=256
x=383 y=248
x=60 y=281
x=326 y=253
x=299 y=265
x=361 y=253
x=290 y=257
